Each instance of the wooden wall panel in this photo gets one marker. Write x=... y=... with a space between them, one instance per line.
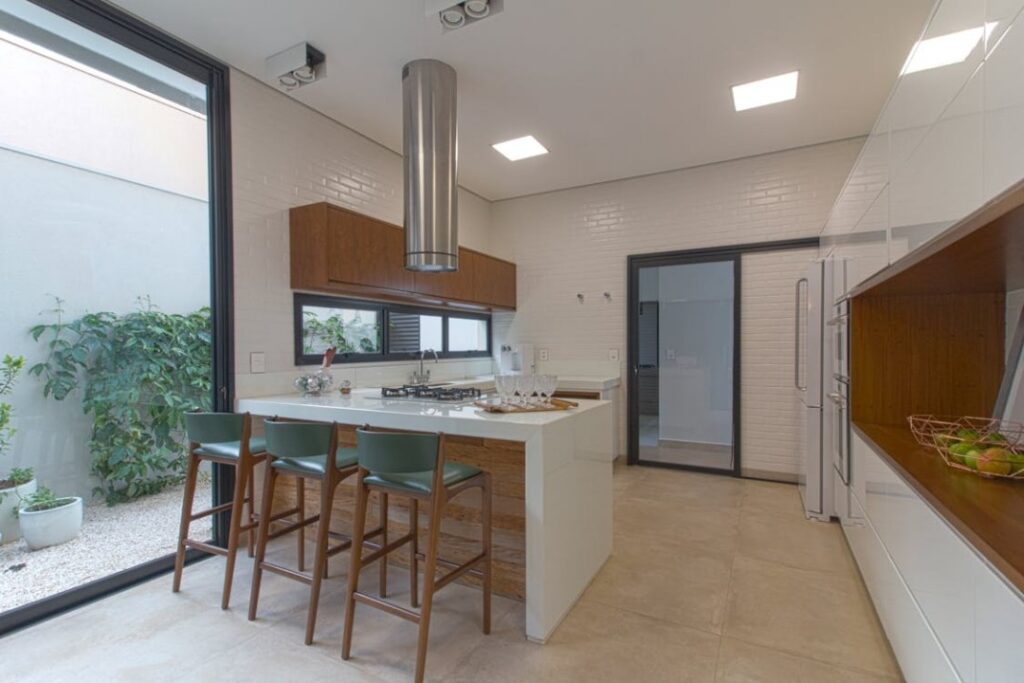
x=939 y=353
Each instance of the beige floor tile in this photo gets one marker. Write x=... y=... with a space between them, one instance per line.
x=794 y=541
x=716 y=530
x=819 y=615
x=598 y=644
x=740 y=662
x=688 y=488
x=680 y=582
x=773 y=498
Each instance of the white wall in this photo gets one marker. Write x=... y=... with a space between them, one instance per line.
x=576 y=241
x=283 y=155
x=104 y=201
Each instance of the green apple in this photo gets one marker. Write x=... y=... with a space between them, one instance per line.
x=968 y=435
x=959 y=451
x=971 y=458
x=1016 y=463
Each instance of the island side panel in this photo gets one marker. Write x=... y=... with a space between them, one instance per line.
x=460 y=537
x=568 y=514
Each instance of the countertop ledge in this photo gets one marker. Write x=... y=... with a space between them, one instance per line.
x=988 y=514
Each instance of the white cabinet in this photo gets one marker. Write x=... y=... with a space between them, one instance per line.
x=1003 y=149
x=947 y=614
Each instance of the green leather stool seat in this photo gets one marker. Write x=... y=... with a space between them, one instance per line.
x=421 y=482
x=232 y=449
x=316 y=464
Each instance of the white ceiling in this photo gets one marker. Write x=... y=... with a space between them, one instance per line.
x=612 y=89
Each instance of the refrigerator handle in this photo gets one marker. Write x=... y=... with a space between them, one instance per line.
x=796 y=339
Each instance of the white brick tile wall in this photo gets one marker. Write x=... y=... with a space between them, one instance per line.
x=771 y=436
x=285 y=154
x=576 y=241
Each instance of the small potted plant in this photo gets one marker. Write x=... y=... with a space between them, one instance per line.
x=48 y=520
x=19 y=483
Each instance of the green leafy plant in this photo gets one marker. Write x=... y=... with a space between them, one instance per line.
x=21 y=475
x=346 y=337
x=43 y=499
x=9 y=369
x=140 y=373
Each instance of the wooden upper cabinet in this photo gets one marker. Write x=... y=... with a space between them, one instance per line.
x=343 y=252
x=364 y=251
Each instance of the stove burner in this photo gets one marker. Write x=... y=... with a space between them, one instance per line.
x=433 y=393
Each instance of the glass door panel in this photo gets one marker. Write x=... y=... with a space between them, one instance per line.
x=105 y=288
x=684 y=348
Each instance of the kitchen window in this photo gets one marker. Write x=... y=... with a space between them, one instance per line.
x=364 y=331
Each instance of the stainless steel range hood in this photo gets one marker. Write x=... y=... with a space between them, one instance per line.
x=430 y=147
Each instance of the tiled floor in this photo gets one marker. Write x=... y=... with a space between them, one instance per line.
x=711 y=579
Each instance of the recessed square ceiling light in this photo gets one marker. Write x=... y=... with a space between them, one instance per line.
x=766 y=91
x=951 y=48
x=520 y=148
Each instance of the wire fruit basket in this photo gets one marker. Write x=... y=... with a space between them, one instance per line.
x=984 y=446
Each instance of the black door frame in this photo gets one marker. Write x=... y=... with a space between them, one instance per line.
x=120 y=27
x=706 y=255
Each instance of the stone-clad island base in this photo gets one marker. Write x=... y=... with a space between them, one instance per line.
x=552 y=489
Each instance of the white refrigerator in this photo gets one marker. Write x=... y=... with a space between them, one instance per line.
x=812 y=380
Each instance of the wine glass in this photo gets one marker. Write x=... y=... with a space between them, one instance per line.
x=546 y=385
x=524 y=387
x=505 y=384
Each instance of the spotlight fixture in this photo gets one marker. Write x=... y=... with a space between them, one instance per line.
x=458 y=14
x=295 y=67
x=453 y=17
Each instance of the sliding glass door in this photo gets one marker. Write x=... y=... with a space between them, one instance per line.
x=684 y=356
x=114 y=264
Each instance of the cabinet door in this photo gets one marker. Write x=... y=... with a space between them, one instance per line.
x=458 y=286
x=363 y=251
x=495 y=281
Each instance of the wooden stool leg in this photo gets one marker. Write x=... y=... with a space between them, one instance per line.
x=191 y=474
x=251 y=508
x=300 y=503
x=362 y=503
x=383 y=541
x=486 y=511
x=429 y=581
x=235 y=530
x=266 y=508
x=414 y=548
x=323 y=528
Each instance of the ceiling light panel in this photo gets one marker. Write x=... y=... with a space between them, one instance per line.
x=766 y=91
x=951 y=48
x=520 y=148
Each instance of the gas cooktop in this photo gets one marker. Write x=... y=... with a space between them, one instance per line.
x=432 y=393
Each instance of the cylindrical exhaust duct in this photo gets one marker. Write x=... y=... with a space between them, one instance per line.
x=430 y=146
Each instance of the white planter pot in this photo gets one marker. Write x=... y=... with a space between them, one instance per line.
x=43 y=528
x=10 y=500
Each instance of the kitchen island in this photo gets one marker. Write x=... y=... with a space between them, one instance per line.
x=553 y=485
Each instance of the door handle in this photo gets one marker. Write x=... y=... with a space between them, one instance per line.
x=796 y=339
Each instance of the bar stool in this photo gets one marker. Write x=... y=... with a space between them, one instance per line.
x=299 y=450
x=413 y=466
x=223 y=438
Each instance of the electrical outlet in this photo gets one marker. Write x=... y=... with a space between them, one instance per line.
x=257 y=362
x=543 y=354
x=613 y=354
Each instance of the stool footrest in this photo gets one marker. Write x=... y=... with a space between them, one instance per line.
x=295 y=526
x=459 y=571
x=387 y=606
x=285 y=571
x=390 y=547
x=224 y=507
x=205 y=547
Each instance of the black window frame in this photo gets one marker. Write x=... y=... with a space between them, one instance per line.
x=384 y=310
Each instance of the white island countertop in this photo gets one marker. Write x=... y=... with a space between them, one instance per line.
x=568 y=479
x=366 y=406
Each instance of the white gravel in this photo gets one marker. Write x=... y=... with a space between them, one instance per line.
x=112 y=539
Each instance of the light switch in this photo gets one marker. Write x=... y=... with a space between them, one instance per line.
x=543 y=354
x=257 y=362
x=613 y=354
x=670 y=354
